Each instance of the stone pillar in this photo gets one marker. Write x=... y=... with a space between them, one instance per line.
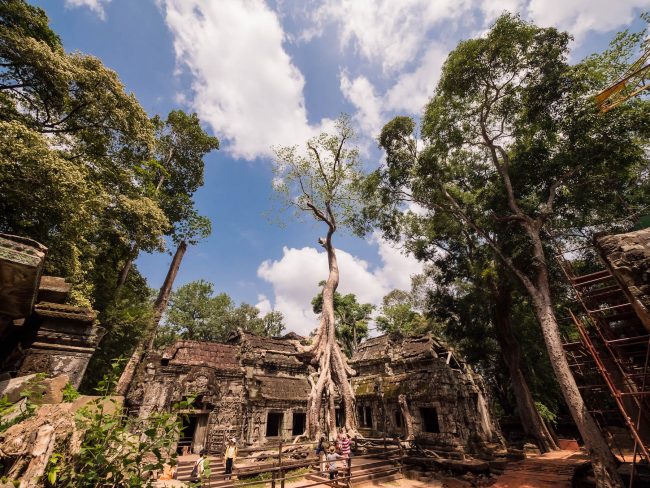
x=64 y=343
x=21 y=264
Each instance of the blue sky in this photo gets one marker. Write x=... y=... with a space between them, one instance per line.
x=275 y=73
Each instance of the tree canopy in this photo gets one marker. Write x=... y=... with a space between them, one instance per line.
x=196 y=313
x=352 y=319
x=514 y=151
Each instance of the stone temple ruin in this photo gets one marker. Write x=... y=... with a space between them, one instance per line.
x=255 y=389
x=38 y=332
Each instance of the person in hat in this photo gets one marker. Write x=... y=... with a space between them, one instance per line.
x=230 y=455
x=332 y=457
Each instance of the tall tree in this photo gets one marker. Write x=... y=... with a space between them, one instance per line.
x=321 y=183
x=197 y=313
x=181 y=146
x=175 y=172
x=512 y=138
x=352 y=319
x=398 y=315
x=71 y=143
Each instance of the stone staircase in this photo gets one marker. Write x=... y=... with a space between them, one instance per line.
x=216 y=477
x=378 y=470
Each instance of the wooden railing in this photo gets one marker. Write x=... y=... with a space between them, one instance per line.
x=280 y=467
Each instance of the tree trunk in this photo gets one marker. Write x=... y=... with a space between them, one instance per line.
x=124 y=273
x=531 y=421
x=146 y=342
x=406 y=416
x=603 y=462
x=327 y=356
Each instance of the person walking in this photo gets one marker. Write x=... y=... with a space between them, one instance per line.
x=199 y=467
x=332 y=457
x=321 y=453
x=230 y=455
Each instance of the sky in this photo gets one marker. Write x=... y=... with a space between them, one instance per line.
x=273 y=73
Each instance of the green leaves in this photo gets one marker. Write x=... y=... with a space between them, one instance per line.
x=115 y=450
x=321 y=180
x=196 y=313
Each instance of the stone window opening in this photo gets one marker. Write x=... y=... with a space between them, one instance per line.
x=273 y=424
x=338 y=417
x=299 y=423
x=365 y=416
x=399 y=421
x=429 y=417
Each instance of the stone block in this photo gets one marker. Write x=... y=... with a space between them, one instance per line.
x=53 y=289
x=50 y=390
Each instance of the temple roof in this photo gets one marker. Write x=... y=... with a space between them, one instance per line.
x=196 y=353
x=275 y=344
x=395 y=348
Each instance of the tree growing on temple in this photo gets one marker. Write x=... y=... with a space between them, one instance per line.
x=513 y=139
x=351 y=319
x=320 y=183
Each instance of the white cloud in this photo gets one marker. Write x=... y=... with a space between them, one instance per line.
x=410 y=41
x=263 y=304
x=383 y=31
x=578 y=17
x=397 y=267
x=413 y=89
x=97 y=6
x=244 y=84
x=295 y=277
x=361 y=93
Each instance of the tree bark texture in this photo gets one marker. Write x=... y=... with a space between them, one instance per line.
x=531 y=421
x=326 y=355
x=146 y=342
x=406 y=416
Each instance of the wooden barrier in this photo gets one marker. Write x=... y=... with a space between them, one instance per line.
x=278 y=471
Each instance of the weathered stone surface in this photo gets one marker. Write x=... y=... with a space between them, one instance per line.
x=21 y=264
x=256 y=388
x=26 y=447
x=446 y=399
x=238 y=387
x=47 y=390
x=628 y=258
x=65 y=341
x=53 y=289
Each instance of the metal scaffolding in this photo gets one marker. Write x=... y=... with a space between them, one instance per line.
x=610 y=357
x=633 y=82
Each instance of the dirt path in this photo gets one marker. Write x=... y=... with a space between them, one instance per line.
x=551 y=470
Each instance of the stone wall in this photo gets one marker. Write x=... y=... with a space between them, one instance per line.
x=446 y=400
x=255 y=389
x=628 y=258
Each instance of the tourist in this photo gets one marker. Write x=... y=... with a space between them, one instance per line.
x=199 y=467
x=321 y=452
x=230 y=455
x=344 y=445
x=332 y=457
